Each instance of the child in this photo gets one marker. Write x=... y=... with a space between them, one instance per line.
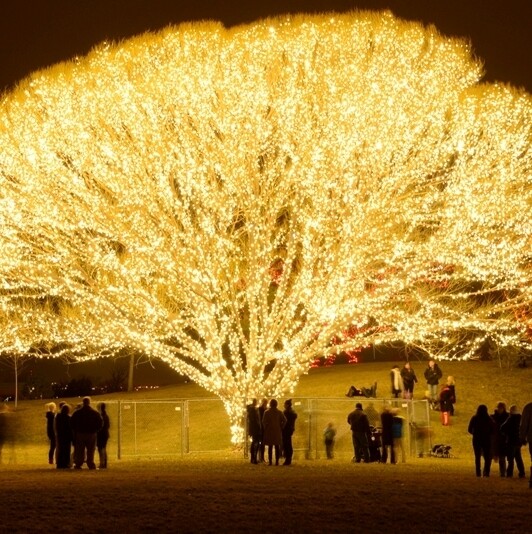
x=329 y=435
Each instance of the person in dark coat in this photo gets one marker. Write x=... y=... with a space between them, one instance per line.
x=446 y=404
x=85 y=423
x=387 y=435
x=262 y=408
x=288 y=431
x=409 y=380
x=254 y=430
x=525 y=433
x=63 y=432
x=510 y=431
x=482 y=428
x=50 y=416
x=103 y=436
x=500 y=449
x=452 y=387
x=432 y=376
x=359 y=423
x=272 y=424
x=329 y=438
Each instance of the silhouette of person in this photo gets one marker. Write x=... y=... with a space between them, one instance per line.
x=103 y=436
x=254 y=430
x=63 y=432
x=360 y=430
x=262 y=408
x=409 y=378
x=85 y=423
x=432 y=376
x=288 y=431
x=50 y=416
x=387 y=435
x=329 y=438
x=482 y=428
x=272 y=424
x=500 y=415
x=525 y=433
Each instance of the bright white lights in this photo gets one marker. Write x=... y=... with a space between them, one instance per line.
x=231 y=201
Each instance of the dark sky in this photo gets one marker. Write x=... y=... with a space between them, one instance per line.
x=38 y=33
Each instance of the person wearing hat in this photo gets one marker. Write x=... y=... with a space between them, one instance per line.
x=288 y=431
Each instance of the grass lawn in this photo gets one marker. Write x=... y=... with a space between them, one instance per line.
x=222 y=492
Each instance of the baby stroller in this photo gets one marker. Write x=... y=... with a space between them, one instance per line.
x=375 y=444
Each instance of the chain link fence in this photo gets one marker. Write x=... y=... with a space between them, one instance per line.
x=170 y=428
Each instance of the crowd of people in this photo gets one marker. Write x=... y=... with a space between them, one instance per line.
x=440 y=397
x=499 y=438
x=85 y=429
x=270 y=427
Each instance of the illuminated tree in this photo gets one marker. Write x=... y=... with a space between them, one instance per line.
x=234 y=201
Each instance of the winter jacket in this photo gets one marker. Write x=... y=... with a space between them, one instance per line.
x=358 y=421
x=290 y=425
x=446 y=396
x=387 y=423
x=50 y=416
x=525 y=428
x=510 y=430
x=433 y=375
x=409 y=378
x=273 y=422
x=482 y=428
x=86 y=420
x=254 y=424
x=397 y=381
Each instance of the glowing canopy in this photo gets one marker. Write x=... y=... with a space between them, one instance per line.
x=230 y=201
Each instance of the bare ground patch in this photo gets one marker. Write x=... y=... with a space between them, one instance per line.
x=230 y=495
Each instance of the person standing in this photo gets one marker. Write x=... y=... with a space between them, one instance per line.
x=85 y=423
x=288 y=431
x=51 y=408
x=254 y=430
x=483 y=429
x=387 y=435
x=452 y=388
x=103 y=436
x=409 y=378
x=329 y=438
x=359 y=423
x=446 y=405
x=500 y=415
x=525 y=433
x=262 y=408
x=397 y=434
x=272 y=424
x=397 y=381
x=510 y=432
x=432 y=376
x=63 y=432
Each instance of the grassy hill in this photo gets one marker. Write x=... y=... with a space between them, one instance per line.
x=180 y=419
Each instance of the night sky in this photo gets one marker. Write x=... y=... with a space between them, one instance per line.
x=38 y=33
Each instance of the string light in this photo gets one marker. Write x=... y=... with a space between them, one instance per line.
x=232 y=201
